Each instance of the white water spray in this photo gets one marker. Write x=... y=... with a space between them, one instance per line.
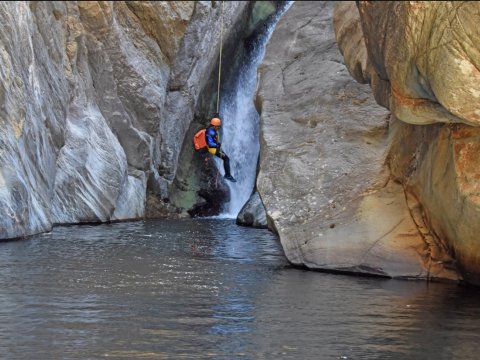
x=240 y=121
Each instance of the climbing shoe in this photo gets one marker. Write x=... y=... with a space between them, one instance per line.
x=230 y=178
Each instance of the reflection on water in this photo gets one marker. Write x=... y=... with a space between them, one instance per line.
x=209 y=289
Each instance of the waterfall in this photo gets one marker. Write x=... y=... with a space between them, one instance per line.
x=240 y=120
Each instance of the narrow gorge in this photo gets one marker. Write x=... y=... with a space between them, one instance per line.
x=365 y=138
x=351 y=129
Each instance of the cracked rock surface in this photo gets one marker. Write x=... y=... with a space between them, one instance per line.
x=422 y=62
x=323 y=176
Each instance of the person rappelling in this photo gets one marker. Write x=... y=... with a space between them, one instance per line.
x=209 y=138
x=214 y=146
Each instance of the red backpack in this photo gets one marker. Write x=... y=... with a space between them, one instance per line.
x=199 y=141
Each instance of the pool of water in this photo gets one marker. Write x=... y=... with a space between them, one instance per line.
x=209 y=289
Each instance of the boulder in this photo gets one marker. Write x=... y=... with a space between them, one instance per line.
x=253 y=213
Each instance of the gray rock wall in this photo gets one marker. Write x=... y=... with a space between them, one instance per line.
x=323 y=177
x=95 y=99
x=190 y=75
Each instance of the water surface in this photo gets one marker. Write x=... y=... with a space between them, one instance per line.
x=209 y=289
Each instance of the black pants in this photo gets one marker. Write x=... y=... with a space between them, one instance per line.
x=226 y=161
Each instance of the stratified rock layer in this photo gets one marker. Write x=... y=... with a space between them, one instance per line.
x=322 y=177
x=95 y=101
x=422 y=61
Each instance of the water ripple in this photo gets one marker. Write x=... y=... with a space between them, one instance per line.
x=209 y=289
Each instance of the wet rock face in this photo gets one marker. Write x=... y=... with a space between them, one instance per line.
x=421 y=59
x=198 y=185
x=95 y=99
x=194 y=69
x=323 y=178
x=253 y=213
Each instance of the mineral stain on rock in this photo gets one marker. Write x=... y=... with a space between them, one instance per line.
x=410 y=53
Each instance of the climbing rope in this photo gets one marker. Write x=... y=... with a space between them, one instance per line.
x=220 y=62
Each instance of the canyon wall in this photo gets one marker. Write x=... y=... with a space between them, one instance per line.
x=369 y=115
x=422 y=61
x=95 y=102
x=326 y=148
